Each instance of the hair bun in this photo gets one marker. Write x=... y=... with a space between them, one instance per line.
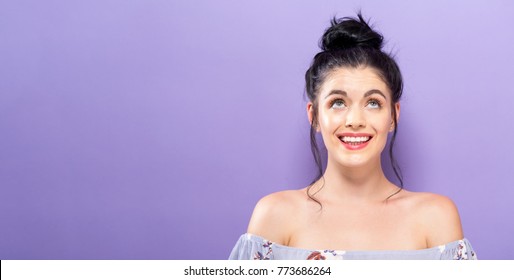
x=346 y=33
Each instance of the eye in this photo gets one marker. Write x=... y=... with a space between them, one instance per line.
x=374 y=104
x=337 y=104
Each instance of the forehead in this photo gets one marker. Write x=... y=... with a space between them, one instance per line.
x=354 y=81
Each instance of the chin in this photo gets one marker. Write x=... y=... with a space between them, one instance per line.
x=354 y=160
x=354 y=164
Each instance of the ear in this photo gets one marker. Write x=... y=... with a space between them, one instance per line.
x=397 y=108
x=310 y=110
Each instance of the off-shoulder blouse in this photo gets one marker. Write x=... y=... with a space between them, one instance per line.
x=254 y=247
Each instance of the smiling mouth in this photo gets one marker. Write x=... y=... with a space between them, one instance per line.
x=355 y=140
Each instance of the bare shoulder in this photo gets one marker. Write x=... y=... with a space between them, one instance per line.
x=437 y=215
x=271 y=217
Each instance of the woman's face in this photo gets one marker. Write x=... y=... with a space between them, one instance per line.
x=354 y=115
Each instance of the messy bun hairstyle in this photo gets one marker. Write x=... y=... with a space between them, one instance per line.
x=352 y=43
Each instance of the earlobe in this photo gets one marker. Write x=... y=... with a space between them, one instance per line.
x=397 y=116
x=309 y=112
x=397 y=105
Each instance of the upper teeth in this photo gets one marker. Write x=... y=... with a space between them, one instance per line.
x=355 y=139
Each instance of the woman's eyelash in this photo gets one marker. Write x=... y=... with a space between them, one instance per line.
x=378 y=102
x=339 y=101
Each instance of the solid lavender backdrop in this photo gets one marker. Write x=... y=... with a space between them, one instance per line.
x=149 y=129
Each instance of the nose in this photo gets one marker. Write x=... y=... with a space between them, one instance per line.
x=355 y=118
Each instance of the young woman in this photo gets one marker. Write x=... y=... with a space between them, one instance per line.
x=352 y=211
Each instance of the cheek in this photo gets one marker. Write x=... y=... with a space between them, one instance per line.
x=329 y=123
x=382 y=123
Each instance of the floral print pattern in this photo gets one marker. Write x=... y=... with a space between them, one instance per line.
x=326 y=255
x=316 y=255
x=267 y=247
x=462 y=252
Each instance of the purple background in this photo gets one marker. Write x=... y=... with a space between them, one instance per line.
x=149 y=129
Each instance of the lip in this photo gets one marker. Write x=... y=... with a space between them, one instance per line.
x=355 y=147
x=354 y=134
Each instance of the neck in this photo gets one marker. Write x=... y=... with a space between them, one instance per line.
x=365 y=183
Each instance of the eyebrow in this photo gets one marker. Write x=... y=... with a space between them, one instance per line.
x=343 y=93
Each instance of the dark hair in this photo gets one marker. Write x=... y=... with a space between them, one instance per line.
x=351 y=42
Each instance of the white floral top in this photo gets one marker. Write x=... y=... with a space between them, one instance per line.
x=257 y=248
